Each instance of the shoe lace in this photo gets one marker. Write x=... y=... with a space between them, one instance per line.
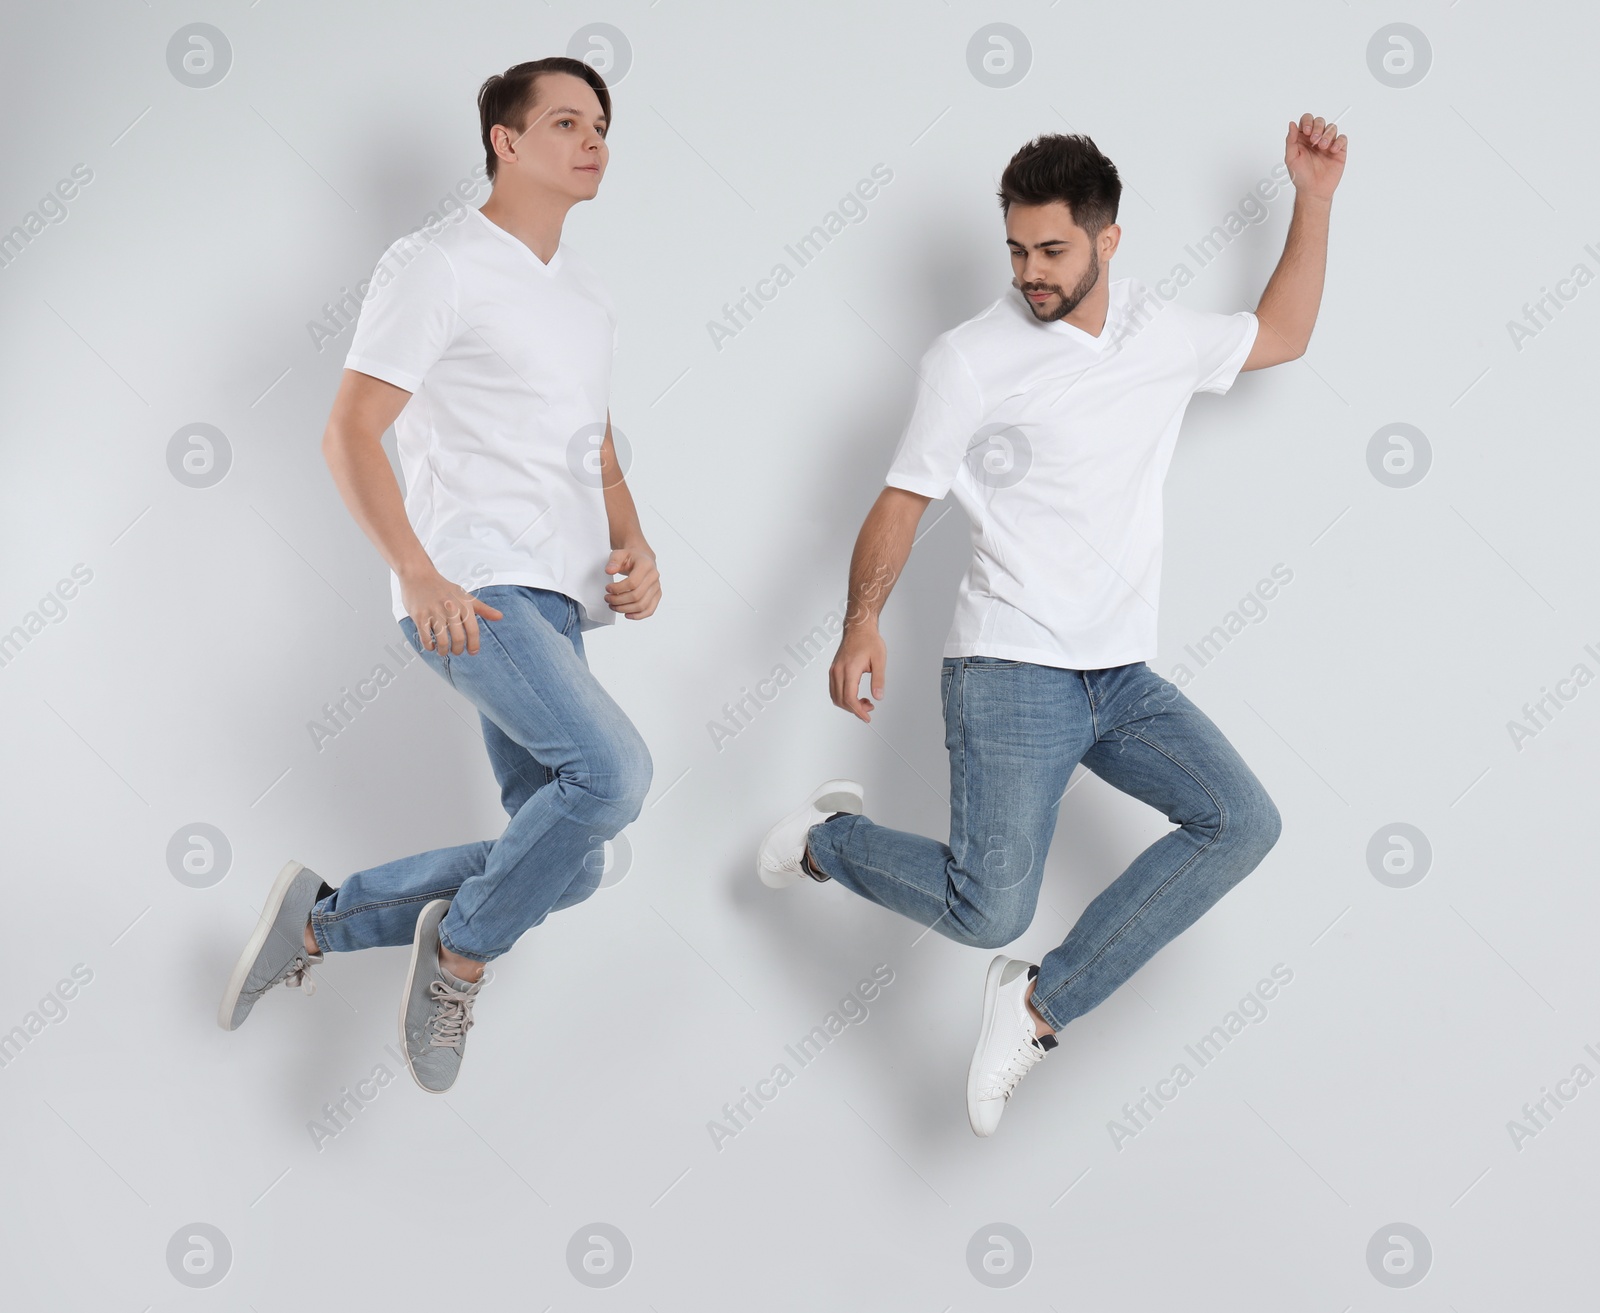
x=1017 y=1064
x=299 y=976
x=796 y=865
x=296 y=976
x=452 y=1014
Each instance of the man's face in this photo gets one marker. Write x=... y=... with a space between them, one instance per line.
x=563 y=147
x=1053 y=262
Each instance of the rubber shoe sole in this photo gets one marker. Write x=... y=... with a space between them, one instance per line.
x=254 y=945
x=975 y=1072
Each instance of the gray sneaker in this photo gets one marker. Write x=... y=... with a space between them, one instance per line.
x=275 y=953
x=436 y=1008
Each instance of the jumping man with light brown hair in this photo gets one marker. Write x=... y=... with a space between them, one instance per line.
x=489 y=348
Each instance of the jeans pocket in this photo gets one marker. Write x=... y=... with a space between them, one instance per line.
x=438 y=659
x=408 y=627
x=991 y=663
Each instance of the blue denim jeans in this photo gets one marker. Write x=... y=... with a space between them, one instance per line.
x=573 y=772
x=1015 y=731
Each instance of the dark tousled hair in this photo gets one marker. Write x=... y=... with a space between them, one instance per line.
x=1067 y=168
x=507 y=98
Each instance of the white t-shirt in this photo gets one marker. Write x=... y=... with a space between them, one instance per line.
x=508 y=362
x=1056 y=443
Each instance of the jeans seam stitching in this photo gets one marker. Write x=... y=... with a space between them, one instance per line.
x=1138 y=914
x=581 y=759
x=445 y=940
x=334 y=917
x=904 y=884
x=966 y=772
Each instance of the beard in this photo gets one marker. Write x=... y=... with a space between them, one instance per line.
x=1068 y=301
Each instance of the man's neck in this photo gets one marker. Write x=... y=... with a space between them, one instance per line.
x=534 y=218
x=1090 y=313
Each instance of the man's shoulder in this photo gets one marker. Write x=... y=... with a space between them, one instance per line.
x=976 y=335
x=427 y=247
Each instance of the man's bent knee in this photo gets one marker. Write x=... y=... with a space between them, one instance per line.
x=987 y=929
x=1255 y=824
x=617 y=778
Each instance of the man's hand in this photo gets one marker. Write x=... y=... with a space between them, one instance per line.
x=1315 y=154
x=860 y=650
x=637 y=594
x=443 y=610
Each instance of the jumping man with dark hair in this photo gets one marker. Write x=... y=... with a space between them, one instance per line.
x=1052 y=415
x=489 y=348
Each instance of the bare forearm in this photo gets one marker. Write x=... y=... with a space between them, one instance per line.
x=622 y=516
x=880 y=554
x=881 y=550
x=366 y=481
x=1293 y=294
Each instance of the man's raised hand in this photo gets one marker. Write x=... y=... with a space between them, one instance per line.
x=1315 y=154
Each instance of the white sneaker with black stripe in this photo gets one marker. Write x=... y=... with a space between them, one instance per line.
x=780 y=859
x=1009 y=1045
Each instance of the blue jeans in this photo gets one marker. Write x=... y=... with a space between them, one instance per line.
x=1015 y=731
x=573 y=772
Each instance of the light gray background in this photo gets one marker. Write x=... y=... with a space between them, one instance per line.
x=178 y=687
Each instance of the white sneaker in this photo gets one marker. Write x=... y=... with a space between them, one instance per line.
x=778 y=858
x=1008 y=1044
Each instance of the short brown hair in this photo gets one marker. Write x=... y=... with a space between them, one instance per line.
x=507 y=98
x=1070 y=169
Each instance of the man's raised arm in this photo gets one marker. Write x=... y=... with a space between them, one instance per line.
x=1315 y=155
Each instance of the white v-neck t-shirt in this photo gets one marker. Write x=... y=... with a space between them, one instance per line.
x=1056 y=443
x=508 y=362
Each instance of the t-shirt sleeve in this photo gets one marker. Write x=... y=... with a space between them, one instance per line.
x=408 y=317
x=944 y=420
x=1221 y=343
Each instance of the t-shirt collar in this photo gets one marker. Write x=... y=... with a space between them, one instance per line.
x=503 y=235
x=1107 y=330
